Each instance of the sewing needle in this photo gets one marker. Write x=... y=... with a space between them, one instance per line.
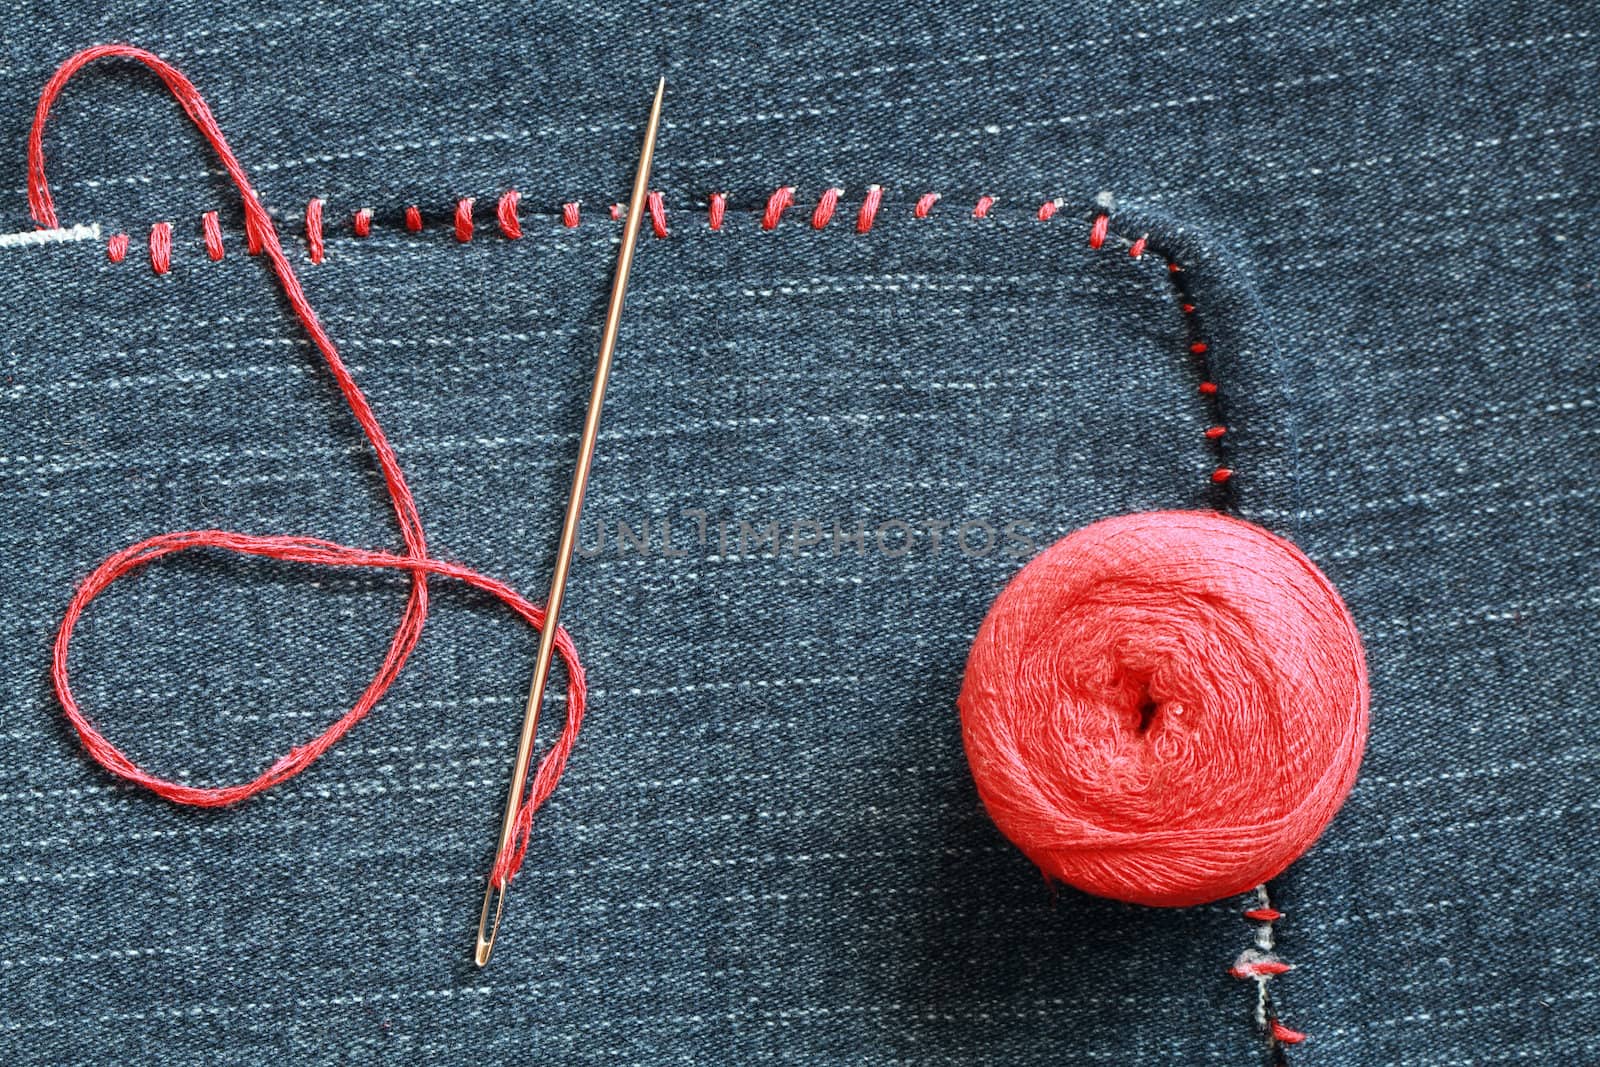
x=496 y=894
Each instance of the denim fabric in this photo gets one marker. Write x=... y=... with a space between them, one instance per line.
x=767 y=845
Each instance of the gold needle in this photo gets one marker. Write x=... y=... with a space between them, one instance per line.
x=569 y=529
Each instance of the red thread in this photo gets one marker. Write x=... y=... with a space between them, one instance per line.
x=1048 y=209
x=616 y=212
x=505 y=212
x=116 y=247
x=415 y=561
x=1188 y=309
x=1263 y=915
x=1097 y=232
x=1199 y=348
x=825 y=207
x=569 y=214
x=161 y=247
x=253 y=240
x=1208 y=388
x=414 y=219
x=1122 y=688
x=1173 y=268
x=924 y=205
x=1285 y=1036
x=718 y=208
x=314 y=243
x=464 y=219
x=869 y=209
x=777 y=203
x=1221 y=474
x=211 y=229
x=1254 y=968
x=1214 y=432
x=980 y=210
x=656 y=206
x=1136 y=250
x=361 y=222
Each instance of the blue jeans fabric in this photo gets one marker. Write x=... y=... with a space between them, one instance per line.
x=767 y=846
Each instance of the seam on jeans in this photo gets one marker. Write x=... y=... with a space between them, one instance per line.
x=777 y=203
x=1261 y=964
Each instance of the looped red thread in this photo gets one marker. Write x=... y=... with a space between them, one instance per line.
x=414 y=219
x=505 y=213
x=825 y=207
x=869 y=209
x=777 y=204
x=212 y=230
x=315 y=245
x=657 y=209
x=464 y=219
x=716 y=210
x=116 y=247
x=415 y=561
x=361 y=222
x=569 y=214
x=161 y=247
x=924 y=205
x=980 y=210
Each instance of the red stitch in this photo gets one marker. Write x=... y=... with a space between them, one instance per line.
x=1208 y=388
x=1188 y=309
x=116 y=247
x=314 y=243
x=1198 y=348
x=1136 y=250
x=253 y=240
x=924 y=205
x=1097 y=232
x=719 y=206
x=1263 y=914
x=413 y=219
x=1173 y=268
x=361 y=222
x=569 y=214
x=464 y=219
x=1260 y=915
x=1258 y=968
x=869 y=209
x=657 y=208
x=1285 y=1036
x=1221 y=474
x=1048 y=209
x=777 y=204
x=505 y=212
x=414 y=562
x=161 y=247
x=825 y=207
x=616 y=212
x=980 y=210
x=212 y=229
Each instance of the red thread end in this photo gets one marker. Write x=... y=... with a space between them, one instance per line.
x=777 y=204
x=718 y=208
x=117 y=247
x=569 y=214
x=1097 y=232
x=505 y=213
x=161 y=247
x=314 y=242
x=413 y=219
x=924 y=205
x=1265 y=914
x=980 y=210
x=1173 y=268
x=1136 y=250
x=1047 y=210
x=657 y=207
x=1260 y=915
x=1285 y=1036
x=1208 y=388
x=869 y=209
x=825 y=208
x=361 y=222
x=211 y=229
x=464 y=219
x=1221 y=474
x=616 y=212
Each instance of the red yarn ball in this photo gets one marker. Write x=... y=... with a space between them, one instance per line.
x=1165 y=708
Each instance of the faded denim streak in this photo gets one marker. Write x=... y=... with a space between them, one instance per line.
x=767 y=847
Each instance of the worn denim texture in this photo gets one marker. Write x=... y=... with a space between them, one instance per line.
x=767 y=846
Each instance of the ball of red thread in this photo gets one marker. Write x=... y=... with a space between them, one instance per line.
x=1165 y=708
